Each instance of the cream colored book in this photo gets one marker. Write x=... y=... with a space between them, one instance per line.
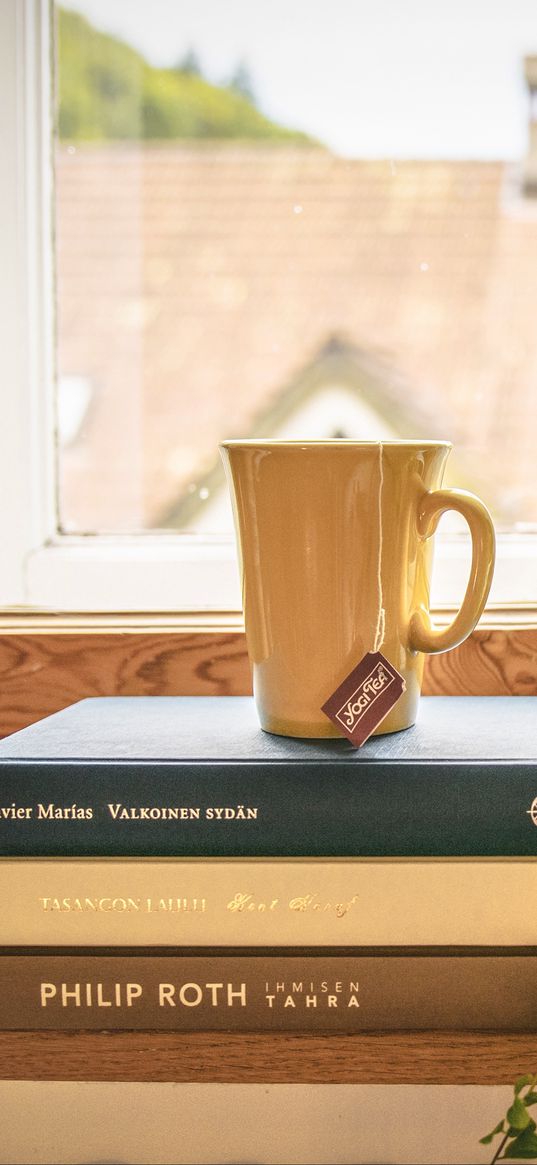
x=258 y=902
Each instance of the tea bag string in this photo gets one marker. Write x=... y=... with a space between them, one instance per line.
x=381 y=619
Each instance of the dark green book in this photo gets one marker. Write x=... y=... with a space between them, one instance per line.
x=189 y=776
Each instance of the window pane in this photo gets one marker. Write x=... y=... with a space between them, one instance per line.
x=291 y=220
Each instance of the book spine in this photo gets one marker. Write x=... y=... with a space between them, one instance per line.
x=269 y=992
x=285 y=903
x=269 y=809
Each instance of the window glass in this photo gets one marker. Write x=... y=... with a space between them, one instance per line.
x=291 y=220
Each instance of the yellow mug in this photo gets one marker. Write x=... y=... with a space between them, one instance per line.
x=335 y=550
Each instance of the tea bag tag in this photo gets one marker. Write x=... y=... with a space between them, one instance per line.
x=365 y=697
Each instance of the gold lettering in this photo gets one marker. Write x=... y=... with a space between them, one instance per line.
x=246 y=902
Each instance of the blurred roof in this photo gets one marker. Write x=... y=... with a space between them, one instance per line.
x=195 y=285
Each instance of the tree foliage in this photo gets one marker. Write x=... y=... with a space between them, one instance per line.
x=108 y=91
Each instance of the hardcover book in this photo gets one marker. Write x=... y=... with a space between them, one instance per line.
x=300 y=990
x=264 y=902
x=196 y=776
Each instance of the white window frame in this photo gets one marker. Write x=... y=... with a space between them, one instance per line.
x=41 y=569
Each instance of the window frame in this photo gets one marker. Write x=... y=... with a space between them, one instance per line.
x=43 y=569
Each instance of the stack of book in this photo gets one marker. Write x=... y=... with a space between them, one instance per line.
x=167 y=865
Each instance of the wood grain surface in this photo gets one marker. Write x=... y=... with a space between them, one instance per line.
x=384 y=1058
x=495 y=662
x=41 y=672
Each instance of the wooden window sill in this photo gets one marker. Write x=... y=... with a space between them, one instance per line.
x=50 y=660
x=222 y=1057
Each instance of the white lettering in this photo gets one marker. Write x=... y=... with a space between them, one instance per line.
x=214 y=988
x=198 y=994
x=48 y=991
x=240 y=994
x=67 y=995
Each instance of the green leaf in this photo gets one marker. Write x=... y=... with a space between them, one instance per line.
x=489 y=1137
x=530 y=1098
x=524 y=1147
x=512 y=1153
x=522 y=1081
x=518 y=1115
x=512 y=1131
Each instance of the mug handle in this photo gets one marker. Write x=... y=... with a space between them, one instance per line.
x=423 y=636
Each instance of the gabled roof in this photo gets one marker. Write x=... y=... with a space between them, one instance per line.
x=252 y=258
x=337 y=365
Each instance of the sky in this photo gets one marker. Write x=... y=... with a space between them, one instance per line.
x=369 y=78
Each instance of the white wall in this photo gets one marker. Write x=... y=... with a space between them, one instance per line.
x=142 y=1124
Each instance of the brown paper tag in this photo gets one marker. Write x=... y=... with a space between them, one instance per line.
x=365 y=697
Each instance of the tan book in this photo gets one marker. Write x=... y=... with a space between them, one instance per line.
x=269 y=991
x=258 y=902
